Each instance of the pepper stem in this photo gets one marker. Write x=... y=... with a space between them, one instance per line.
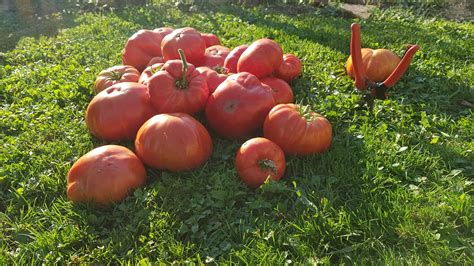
x=182 y=83
x=268 y=164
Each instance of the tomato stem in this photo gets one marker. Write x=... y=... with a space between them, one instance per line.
x=306 y=112
x=115 y=75
x=221 y=69
x=268 y=164
x=183 y=83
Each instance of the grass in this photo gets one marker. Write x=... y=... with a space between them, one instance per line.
x=396 y=187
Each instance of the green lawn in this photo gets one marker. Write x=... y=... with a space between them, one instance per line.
x=396 y=186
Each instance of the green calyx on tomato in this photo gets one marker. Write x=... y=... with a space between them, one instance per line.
x=268 y=164
x=115 y=75
x=220 y=69
x=156 y=69
x=183 y=82
x=306 y=113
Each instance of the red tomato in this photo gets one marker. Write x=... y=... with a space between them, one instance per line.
x=105 y=175
x=282 y=92
x=156 y=60
x=215 y=56
x=175 y=142
x=178 y=87
x=117 y=112
x=290 y=68
x=163 y=31
x=239 y=105
x=232 y=58
x=148 y=72
x=297 y=130
x=379 y=63
x=187 y=39
x=114 y=75
x=259 y=159
x=210 y=39
x=213 y=77
x=141 y=47
x=261 y=58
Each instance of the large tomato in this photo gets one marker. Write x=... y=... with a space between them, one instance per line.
x=149 y=71
x=297 y=130
x=187 y=39
x=261 y=58
x=210 y=39
x=290 y=68
x=379 y=64
x=175 y=142
x=282 y=92
x=115 y=74
x=213 y=77
x=178 y=87
x=215 y=56
x=155 y=60
x=141 y=47
x=232 y=58
x=239 y=105
x=105 y=175
x=117 y=112
x=259 y=159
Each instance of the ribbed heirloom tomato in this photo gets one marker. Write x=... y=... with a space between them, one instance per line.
x=210 y=39
x=105 y=175
x=297 y=130
x=378 y=64
x=114 y=75
x=143 y=46
x=178 y=87
x=261 y=58
x=187 y=39
x=282 y=92
x=259 y=159
x=290 y=68
x=238 y=107
x=175 y=142
x=117 y=112
x=232 y=58
x=215 y=56
x=213 y=77
x=149 y=71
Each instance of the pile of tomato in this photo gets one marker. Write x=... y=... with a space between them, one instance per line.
x=169 y=77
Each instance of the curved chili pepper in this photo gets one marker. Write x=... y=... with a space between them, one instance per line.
x=401 y=67
x=358 y=66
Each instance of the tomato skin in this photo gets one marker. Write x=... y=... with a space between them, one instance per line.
x=249 y=161
x=105 y=175
x=290 y=68
x=149 y=71
x=379 y=63
x=285 y=126
x=163 y=31
x=238 y=106
x=282 y=92
x=210 y=39
x=118 y=112
x=165 y=95
x=141 y=47
x=156 y=60
x=114 y=75
x=215 y=56
x=187 y=39
x=212 y=77
x=232 y=58
x=174 y=142
x=261 y=58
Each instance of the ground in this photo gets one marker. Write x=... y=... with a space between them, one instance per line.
x=396 y=185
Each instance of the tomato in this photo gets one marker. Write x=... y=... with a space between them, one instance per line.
x=290 y=68
x=175 y=142
x=213 y=77
x=297 y=130
x=215 y=56
x=379 y=64
x=105 y=175
x=141 y=47
x=149 y=71
x=114 y=75
x=155 y=60
x=259 y=159
x=261 y=58
x=178 y=87
x=282 y=92
x=238 y=107
x=232 y=58
x=117 y=112
x=163 y=31
x=210 y=39
x=187 y=39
